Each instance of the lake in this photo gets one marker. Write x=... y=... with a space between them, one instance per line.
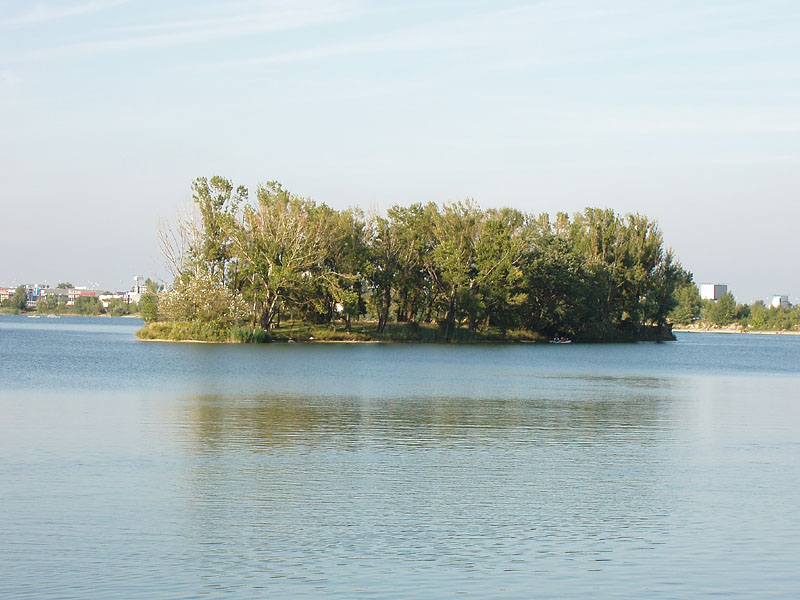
x=140 y=470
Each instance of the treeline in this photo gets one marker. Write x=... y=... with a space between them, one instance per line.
x=692 y=310
x=83 y=305
x=87 y=306
x=595 y=275
x=17 y=302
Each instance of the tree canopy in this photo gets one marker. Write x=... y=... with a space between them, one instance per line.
x=596 y=275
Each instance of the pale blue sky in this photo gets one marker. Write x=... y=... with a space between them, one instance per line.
x=687 y=111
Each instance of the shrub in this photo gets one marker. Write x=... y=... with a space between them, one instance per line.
x=246 y=334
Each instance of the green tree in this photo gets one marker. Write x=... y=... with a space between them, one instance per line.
x=383 y=268
x=148 y=307
x=689 y=304
x=563 y=297
x=279 y=249
x=47 y=304
x=345 y=266
x=118 y=307
x=87 y=305
x=151 y=286
x=498 y=277
x=723 y=311
x=598 y=275
x=411 y=231
x=19 y=301
x=218 y=203
x=65 y=285
x=453 y=267
x=759 y=315
x=198 y=298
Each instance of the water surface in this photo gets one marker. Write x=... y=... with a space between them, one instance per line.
x=132 y=469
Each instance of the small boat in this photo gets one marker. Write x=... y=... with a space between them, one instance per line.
x=560 y=340
x=53 y=317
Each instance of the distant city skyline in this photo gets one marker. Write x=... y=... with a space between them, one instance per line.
x=767 y=299
x=687 y=112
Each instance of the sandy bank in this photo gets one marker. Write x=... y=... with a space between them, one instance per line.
x=729 y=330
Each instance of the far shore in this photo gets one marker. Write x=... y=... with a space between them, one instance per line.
x=66 y=314
x=731 y=330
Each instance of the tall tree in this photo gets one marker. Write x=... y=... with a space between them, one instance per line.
x=278 y=244
x=496 y=292
x=563 y=296
x=383 y=257
x=723 y=311
x=19 y=301
x=453 y=267
x=218 y=202
x=688 y=304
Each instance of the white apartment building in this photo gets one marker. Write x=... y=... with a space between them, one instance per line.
x=713 y=291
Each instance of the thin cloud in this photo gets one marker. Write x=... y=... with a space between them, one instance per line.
x=51 y=12
x=550 y=33
x=197 y=30
x=481 y=30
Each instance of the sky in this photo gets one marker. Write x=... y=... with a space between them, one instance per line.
x=685 y=111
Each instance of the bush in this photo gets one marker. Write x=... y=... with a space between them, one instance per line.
x=182 y=331
x=245 y=334
x=87 y=305
x=148 y=308
x=201 y=298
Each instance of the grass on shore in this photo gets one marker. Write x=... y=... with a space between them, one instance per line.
x=308 y=332
x=365 y=331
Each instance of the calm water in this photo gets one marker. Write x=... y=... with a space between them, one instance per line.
x=141 y=470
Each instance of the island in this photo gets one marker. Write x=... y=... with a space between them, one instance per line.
x=283 y=267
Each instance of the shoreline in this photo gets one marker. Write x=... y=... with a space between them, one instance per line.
x=190 y=331
x=733 y=331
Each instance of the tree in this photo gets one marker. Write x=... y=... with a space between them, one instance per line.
x=723 y=311
x=345 y=266
x=496 y=286
x=19 y=301
x=411 y=229
x=599 y=235
x=47 y=304
x=148 y=308
x=218 y=203
x=689 y=304
x=118 y=307
x=659 y=299
x=562 y=296
x=197 y=299
x=278 y=246
x=151 y=286
x=383 y=256
x=600 y=275
x=87 y=305
x=65 y=285
x=759 y=315
x=453 y=266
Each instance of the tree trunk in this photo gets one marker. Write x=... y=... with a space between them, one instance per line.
x=450 y=317
x=383 y=309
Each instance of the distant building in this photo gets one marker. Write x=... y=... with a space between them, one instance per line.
x=139 y=288
x=61 y=294
x=75 y=293
x=779 y=302
x=139 y=285
x=713 y=291
x=34 y=292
